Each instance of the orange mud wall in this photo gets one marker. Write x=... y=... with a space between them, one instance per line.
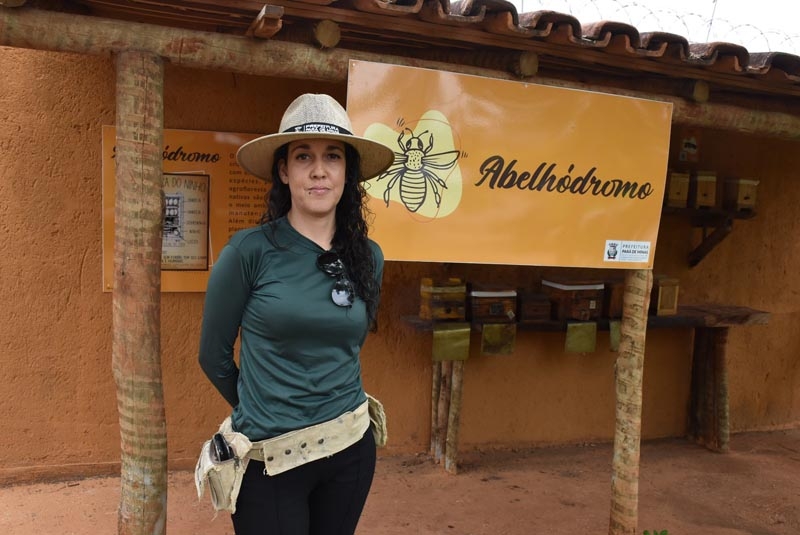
x=59 y=401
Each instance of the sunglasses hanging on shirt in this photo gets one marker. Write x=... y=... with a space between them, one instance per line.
x=343 y=293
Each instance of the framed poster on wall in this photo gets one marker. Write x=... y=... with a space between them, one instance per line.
x=207 y=198
x=184 y=244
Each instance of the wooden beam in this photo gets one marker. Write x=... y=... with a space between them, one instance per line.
x=323 y=33
x=326 y=33
x=194 y=17
x=527 y=64
x=32 y=28
x=267 y=23
x=695 y=90
x=521 y=64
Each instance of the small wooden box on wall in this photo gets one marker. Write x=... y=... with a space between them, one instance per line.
x=442 y=300
x=677 y=190
x=664 y=298
x=574 y=300
x=493 y=304
x=703 y=190
x=740 y=194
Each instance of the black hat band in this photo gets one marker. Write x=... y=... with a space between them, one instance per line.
x=318 y=128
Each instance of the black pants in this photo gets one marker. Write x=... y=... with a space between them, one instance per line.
x=324 y=497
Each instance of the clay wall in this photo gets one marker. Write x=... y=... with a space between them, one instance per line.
x=59 y=401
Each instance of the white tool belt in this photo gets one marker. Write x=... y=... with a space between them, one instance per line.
x=283 y=452
x=292 y=449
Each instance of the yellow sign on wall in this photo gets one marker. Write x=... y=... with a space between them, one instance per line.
x=207 y=198
x=501 y=172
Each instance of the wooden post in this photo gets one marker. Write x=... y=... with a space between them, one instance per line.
x=697 y=402
x=136 y=298
x=709 y=408
x=443 y=411
x=435 y=389
x=627 y=436
x=722 y=412
x=454 y=418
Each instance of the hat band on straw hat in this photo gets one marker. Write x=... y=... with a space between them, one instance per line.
x=318 y=128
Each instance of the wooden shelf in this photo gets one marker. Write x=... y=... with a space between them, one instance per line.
x=704 y=316
x=708 y=216
x=721 y=221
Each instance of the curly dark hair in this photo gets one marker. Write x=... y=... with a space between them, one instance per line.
x=350 y=238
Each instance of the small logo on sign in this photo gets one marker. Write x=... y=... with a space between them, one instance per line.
x=627 y=251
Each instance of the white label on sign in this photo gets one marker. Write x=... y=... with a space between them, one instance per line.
x=626 y=251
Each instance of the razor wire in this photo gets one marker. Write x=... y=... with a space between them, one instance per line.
x=696 y=25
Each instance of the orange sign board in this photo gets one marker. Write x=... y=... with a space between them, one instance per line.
x=207 y=198
x=502 y=172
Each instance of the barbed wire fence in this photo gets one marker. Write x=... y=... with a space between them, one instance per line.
x=696 y=27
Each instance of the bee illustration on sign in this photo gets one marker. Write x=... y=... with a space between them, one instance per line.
x=414 y=169
x=425 y=177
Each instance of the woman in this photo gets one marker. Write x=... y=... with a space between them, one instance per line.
x=303 y=289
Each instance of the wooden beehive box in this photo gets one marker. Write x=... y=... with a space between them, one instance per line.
x=442 y=300
x=677 y=190
x=664 y=298
x=574 y=299
x=493 y=304
x=703 y=190
x=534 y=307
x=740 y=194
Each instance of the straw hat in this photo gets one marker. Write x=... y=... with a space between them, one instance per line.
x=318 y=117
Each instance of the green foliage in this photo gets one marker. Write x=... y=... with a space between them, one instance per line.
x=655 y=532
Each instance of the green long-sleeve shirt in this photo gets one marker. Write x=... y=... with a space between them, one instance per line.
x=299 y=354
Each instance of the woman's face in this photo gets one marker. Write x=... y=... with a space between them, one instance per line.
x=314 y=170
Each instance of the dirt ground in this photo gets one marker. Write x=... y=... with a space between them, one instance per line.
x=684 y=489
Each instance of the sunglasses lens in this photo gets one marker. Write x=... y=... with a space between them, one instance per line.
x=342 y=293
x=330 y=263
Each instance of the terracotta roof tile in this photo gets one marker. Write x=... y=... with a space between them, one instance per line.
x=669 y=45
x=776 y=65
x=406 y=7
x=559 y=36
x=720 y=56
x=441 y=12
x=510 y=23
